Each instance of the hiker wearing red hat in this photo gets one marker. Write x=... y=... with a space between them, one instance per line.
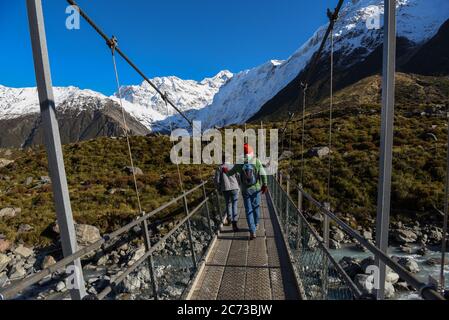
x=254 y=182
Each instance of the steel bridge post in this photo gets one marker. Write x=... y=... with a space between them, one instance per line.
x=148 y=246
x=386 y=142
x=217 y=199
x=300 y=206
x=207 y=212
x=326 y=237
x=326 y=240
x=189 y=231
x=53 y=144
x=287 y=206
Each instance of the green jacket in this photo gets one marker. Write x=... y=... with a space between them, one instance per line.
x=260 y=171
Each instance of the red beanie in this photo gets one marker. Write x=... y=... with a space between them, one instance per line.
x=248 y=150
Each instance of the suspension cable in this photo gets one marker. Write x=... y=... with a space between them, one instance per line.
x=125 y=57
x=331 y=110
x=333 y=16
x=304 y=95
x=445 y=224
x=181 y=184
x=113 y=45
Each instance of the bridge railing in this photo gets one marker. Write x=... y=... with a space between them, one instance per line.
x=319 y=273
x=194 y=229
x=319 y=276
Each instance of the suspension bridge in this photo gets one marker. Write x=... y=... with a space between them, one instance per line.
x=289 y=260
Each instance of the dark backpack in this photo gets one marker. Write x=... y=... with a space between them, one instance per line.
x=249 y=175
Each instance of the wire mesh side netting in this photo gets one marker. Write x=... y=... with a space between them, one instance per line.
x=319 y=274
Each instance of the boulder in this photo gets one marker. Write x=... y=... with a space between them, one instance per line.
x=335 y=245
x=406 y=249
x=9 y=212
x=389 y=291
x=48 y=262
x=4 y=261
x=422 y=251
x=338 y=235
x=435 y=235
x=86 y=234
x=17 y=272
x=139 y=253
x=137 y=170
x=351 y=266
x=436 y=261
x=409 y=264
x=368 y=235
x=61 y=286
x=23 y=251
x=3 y=279
x=405 y=236
x=5 y=245
x=28 y=181
x=312 y=243
x=131 y=284
x=319 y=152
x=5 y=163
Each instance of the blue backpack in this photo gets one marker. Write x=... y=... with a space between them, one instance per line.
x=249 y=175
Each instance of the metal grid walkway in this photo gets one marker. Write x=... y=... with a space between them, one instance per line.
x=239 y=269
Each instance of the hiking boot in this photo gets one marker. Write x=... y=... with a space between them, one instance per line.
x=235 y=228
x=252 y=236
x=227 y=222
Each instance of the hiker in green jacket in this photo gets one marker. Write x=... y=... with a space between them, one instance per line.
x=253 y=183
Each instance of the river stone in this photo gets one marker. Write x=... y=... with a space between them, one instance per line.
x=9 y=212
x=4 y=261
x=338 y=235
x=3 y=279
x=436 y=261
x=139 y=253
x=131 y=284
x=409 y=264
x=48 y=262
x=86 y=234
x=60 y=286
x=435 y=235
x=406 y=236
x=368 y=235
x=23 y=251
x=5 y=245
x=351 y=266
x=17 y=272
x=335 y=245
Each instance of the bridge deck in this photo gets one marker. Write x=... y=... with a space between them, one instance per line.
x=239 y=269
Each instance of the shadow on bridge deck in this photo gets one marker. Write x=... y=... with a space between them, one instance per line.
x=239 y=269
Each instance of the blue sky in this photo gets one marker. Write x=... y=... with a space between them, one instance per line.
x=191 y=39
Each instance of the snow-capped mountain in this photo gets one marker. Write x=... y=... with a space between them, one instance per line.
x=245 y=94
x=228 y=98
x=185 y=94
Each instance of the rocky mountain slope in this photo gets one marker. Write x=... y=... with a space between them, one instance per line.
x=82 y=115
x=358 y=51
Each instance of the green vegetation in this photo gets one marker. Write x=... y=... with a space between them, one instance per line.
x=420 y=144
x=101 y=191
